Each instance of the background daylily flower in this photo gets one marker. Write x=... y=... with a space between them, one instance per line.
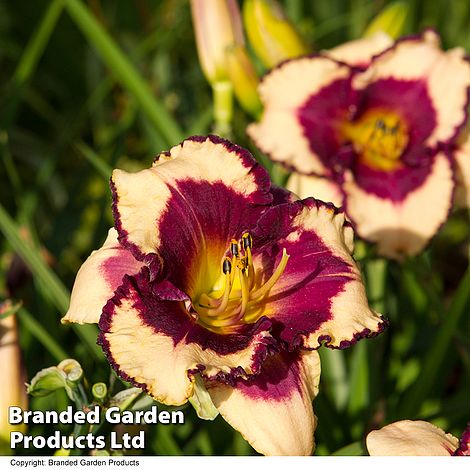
x=416 y=438
x=213 y=272
x=383 y=133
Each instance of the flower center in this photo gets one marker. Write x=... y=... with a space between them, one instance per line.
x=379 y=138
x=237 y=295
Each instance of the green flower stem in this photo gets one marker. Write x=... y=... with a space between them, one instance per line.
x=56 y=289
x=436 y=354
x=124 y=71
x=223 y=108
x=42 y=335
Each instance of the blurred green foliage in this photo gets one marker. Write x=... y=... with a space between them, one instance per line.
x=89 y=86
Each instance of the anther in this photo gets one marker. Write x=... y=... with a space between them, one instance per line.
x=247 y=241
x=234 y=247
x=227 y=266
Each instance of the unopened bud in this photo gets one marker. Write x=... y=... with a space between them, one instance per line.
x=99 y=391
x=72 y=369
x=12 y=372
x=66 y=375
x=244 y=79
x=271 y=35
x=391 y=20
x=46 y=381
x=217 y=25
x=124 y=398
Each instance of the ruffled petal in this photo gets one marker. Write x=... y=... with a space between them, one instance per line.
x=462 y=160
x=320 y=297
x=445 y=76
x=99 y=276
x=464 y=443
x=156 y=345
x=404 y=226
x=359 y=53
x=411 y=438
x=186 y=208
x=302 y=96
x=318 y=187
x=273 y=411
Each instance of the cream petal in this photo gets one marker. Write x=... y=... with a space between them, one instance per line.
x=315 y=186
x=274 y=414
x=402 y=228
x=99 y=276
x=155 y=345
x=283 y=91
x=418 y=438
x=360 y=51
x=351 y=316
x=445 y=74
x=141 y=199
x=462 y=159
x=331 y=306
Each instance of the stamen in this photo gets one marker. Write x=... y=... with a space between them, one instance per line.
x=245 y=293
x=224 y=299
x=257 y=294
x=236 y=306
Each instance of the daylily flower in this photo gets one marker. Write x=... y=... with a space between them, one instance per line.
x=383 y=133
x=212 y=273
x=416 y=438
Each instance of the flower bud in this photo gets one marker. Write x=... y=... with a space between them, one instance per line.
x=244 y=79
x=72 y=369
x=124 y=398
x=46 y=381
x=391 y=20
x=271 y=35
x=217 y=25
x=12 y=373
x=99 y=391
x=66 y=375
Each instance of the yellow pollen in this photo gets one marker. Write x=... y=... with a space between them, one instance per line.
x=379 y=138
x=240 y=301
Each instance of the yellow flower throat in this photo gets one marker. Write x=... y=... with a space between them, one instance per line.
x=236 y=296
x=379 y=138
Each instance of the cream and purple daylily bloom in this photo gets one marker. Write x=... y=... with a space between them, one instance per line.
x=417 y=438
x=211 y=271
x=384 y=133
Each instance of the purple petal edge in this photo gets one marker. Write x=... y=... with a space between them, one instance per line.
x=324 y=340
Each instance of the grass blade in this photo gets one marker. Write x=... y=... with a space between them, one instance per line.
x=41 y=334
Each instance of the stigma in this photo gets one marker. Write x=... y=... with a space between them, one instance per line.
x=242 y=296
